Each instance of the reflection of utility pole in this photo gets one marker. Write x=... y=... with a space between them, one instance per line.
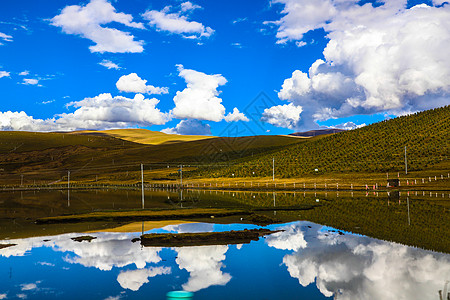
x=409 y=219
x=406 y=163
x=442 y=293
x=274 y=204
x=142 y=183
x=181 y=175
x=273 y=168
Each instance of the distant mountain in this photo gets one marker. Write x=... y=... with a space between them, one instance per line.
x=312 y=133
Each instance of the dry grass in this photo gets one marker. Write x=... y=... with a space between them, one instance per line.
x=148 y=137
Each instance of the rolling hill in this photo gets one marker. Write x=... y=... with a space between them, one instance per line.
x=375 y=148
x=311 y=133
x=144 y=136
x=47 y=157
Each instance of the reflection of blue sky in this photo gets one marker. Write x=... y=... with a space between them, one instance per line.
x=201 y=227
x=305 y=259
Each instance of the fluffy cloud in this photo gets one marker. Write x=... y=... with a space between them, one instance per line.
x=108 y=250
x=199 y=99
x=189 y=6
x=203 y=264
x=348 y=126
x=21 y=121
x=236 y=116
x=24 y=73
x=31 y=81
x=4 y=74
x=5 y=37
x=132 y=83
x=109 y=64
x=189 y=127
x=133 y=280
x=287 y=115
x=107 y=111
x=87 y=22
x=28 y=286
x=291 y=238
x=358 y=267
x=177 y=22
x=301 y=16
x=100 y=112
x=189 y=227
x=378 y=59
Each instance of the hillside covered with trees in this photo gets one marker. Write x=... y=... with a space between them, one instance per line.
x=379 y=147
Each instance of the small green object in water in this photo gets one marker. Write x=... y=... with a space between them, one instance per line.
x=179 y=295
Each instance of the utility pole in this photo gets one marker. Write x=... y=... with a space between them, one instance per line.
x=406 y=163
x=181 y=175
x=21 y=180
x=68 y=188
x=273 y=168
x=142 y=184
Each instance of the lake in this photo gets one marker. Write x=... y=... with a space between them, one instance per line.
x=305 y=260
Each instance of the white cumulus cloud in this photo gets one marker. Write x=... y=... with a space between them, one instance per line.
x=235 y=116
x=177 y=21
x=4 y=74
x=358 y=267
x=204 y=265
x=5 y=37
x=87 y=21
x=189 y=6
x=189 y=127
x=132 y=83
x=199 y=99
x=387 y=58
x=287 y=116
x=31 y=81
x=101 y=112
x=28 y=286
x=109 y=64
x=133 y=280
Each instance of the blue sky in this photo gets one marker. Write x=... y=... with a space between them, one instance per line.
x=203 y=67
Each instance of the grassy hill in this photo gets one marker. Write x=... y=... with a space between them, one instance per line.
x=144 y=136
x=375 y=148
x=46 y=157
x=23 y=141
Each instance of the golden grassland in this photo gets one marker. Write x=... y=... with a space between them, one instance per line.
x=144 y=136
x=47 y=157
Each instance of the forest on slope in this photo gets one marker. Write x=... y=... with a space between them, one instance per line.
x=379 y=147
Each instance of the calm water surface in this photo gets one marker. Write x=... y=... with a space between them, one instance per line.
x=305 y=261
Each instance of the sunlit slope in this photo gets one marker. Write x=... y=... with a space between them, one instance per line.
x=23 y=141
x=208 y=151
x=49 y=156
x=375 y=148
x=148 y=137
